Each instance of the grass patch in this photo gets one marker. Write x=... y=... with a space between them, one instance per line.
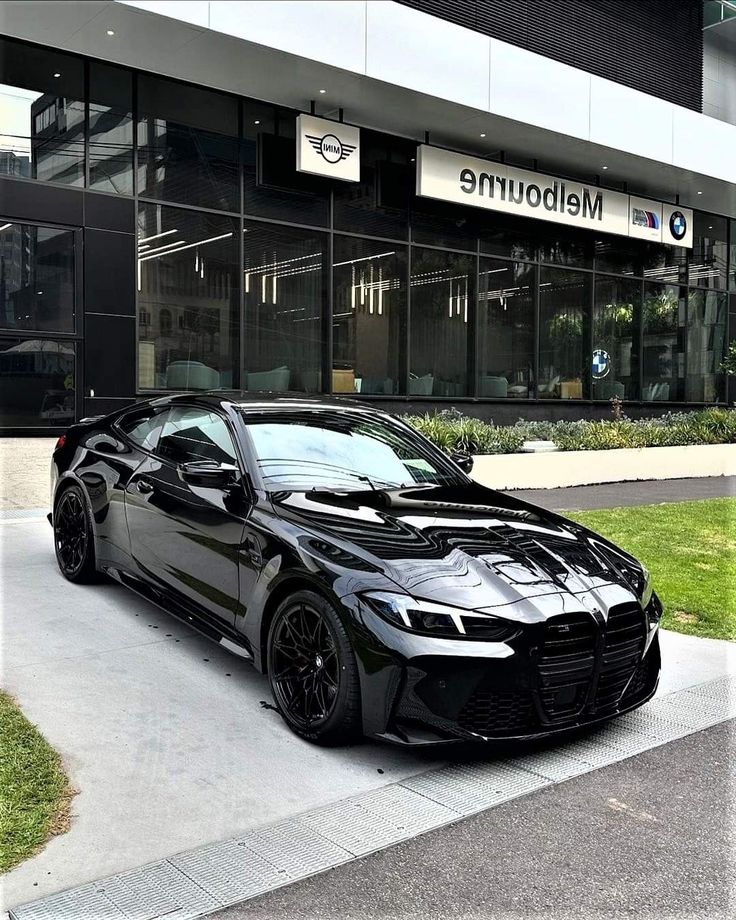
x=35 y=796
x=690 y=549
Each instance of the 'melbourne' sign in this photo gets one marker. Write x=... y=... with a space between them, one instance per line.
x=468 y=180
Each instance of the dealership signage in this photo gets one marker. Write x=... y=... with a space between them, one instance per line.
x=327 y=148
x=481 y=183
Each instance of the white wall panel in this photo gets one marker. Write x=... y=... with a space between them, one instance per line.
x=195 y=12
x=332 y=32
x=626 y=119
x=534 y=89
x=704 y=145
x=426 y=54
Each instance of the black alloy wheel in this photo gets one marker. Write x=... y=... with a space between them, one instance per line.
x=312 y=670
x=73 y=537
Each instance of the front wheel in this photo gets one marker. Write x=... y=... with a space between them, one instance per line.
x=313 y=672
x=73 y=537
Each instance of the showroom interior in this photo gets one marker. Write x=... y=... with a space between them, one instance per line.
x=156 y=236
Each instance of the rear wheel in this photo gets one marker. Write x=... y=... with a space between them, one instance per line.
x=73 y=537
x=312 y=670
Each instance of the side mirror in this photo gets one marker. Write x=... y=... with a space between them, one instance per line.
x=207 y=474
x=464 y=461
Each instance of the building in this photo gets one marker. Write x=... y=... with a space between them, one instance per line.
x=516 y=207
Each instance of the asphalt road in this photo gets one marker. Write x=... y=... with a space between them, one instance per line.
x=621 y=494
x=651 y=837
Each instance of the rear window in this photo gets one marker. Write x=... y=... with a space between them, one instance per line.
x=143 y=426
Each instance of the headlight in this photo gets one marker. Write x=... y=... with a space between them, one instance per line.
x=438 y=619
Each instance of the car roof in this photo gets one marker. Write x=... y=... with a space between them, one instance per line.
x=267 y=400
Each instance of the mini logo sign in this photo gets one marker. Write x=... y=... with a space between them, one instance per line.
x=330 y=147
x=601 y=363
x=327 y=148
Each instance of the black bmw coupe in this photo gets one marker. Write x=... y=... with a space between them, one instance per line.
x=382 y=590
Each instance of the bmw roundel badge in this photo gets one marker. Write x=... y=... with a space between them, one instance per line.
x=678 y=225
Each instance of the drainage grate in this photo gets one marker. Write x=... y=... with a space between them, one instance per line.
x=195 y=883
x=22 y=514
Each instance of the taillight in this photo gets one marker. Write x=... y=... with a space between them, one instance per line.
x=61 y=442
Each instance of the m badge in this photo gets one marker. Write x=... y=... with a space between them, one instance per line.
x=327 y=148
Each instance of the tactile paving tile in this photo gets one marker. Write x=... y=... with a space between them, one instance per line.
x=694 y=710
x=720 y=688
x=470 y=788
x=650 y=725
x=377 y=819
x=230 y=871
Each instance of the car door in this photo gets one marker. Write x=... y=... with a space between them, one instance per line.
x=188 y=536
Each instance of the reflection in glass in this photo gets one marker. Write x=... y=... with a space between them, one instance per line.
x=708 y=256
x=442 y=300
x=706 y=340
x=284 y=294
x=36 y=277
x=187 y=299
x=564 y=314
x=369 y=307
x=663 y=316
x=110 y=129
x=506 y=329
x=36 y=382
x=180 y=157
x=616 y=321
x=41 y=114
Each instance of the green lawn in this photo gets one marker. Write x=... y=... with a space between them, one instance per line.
x=34 y=791
x=690 y=549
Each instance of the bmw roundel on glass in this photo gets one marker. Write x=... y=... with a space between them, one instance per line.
x=382 y=591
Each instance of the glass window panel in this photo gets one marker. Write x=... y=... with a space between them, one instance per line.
x=41 y=114
x=566 y=246
x=180 y=157
x=732 y=257
x=708 y=268
x=192 y=435
x=36 y=382
x=564 y=298
x=368 y=318
x=706 y=341
x=663 y=317
x=379 y=204
x=616 y=323
x=439 y=223
x=187 y=299
x=667 y=264
x=36 y=277
x=285 y=293
x=506 y=329
x=442 y=298
x=506 y=235
x=110 y=129
x=271 y=185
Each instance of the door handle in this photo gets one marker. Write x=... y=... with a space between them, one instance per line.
x=144 y=486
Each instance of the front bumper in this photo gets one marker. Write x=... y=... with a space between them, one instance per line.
x=424 y=691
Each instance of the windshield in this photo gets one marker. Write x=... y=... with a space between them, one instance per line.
x=300 y=450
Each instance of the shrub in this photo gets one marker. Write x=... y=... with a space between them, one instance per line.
x=453 y=432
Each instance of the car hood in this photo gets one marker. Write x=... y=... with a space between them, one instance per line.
x=464 y=545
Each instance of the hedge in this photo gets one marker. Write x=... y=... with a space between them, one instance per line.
x=453 y=432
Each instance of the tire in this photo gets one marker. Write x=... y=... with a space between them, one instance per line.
x=74 y=541
x=309 y=652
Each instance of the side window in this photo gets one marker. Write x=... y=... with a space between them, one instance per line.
x=142 y=427
x=195 y=434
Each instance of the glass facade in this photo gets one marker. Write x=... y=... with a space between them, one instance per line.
x=249 y=274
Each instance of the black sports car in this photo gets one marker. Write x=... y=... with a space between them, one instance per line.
x=382 y=590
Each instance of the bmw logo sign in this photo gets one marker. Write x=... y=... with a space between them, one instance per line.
x=601 y=363
x=678 y=225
